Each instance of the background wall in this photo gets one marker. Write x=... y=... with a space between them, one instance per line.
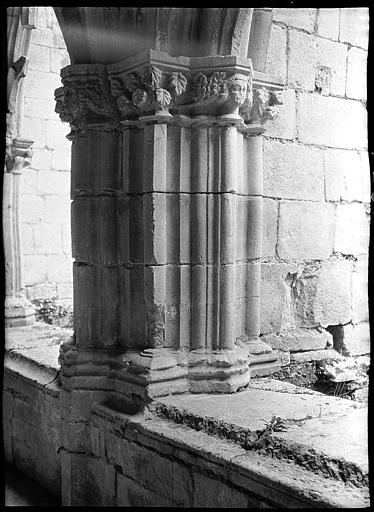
x=316 y=173
x=45 y=200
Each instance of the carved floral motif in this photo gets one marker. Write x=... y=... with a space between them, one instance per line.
x=150 y=89
x=85 y=100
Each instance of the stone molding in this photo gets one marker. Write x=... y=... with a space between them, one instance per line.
x=154 y=87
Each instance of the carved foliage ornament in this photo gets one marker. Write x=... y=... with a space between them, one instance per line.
x=151 y=89
x=85 y=100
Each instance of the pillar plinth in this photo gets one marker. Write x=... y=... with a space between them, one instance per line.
x=166 y=222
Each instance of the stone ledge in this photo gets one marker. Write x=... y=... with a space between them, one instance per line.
x=275 y=482
x=325 y=435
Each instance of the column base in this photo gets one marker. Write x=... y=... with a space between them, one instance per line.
x=18 y=312
x=138 y=376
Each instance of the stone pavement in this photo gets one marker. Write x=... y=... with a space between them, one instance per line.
x=325 y=434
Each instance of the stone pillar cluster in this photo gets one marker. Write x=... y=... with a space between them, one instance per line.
x=166 y=222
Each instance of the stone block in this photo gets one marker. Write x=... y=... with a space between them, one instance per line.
x=353 y=340
x=59 y=59
x=41 y=159
x=213 y=493
x=275 y=297
x=332 y=303
x=59 y=268
x=276 y=59
x=284 y=125
x=29 y=181
x=269 y=228
x=328 y=23
x=54 y=182
x=305 y=230
x=47 y=239
x=45 y=37
x=307 y=53
x=66 y=240
x=39 y=58
x=61 y=159
x=298 y=18
x=32 y=208
x=366 y=175
x=360 y=290
x=92 y=482
x=354 y=26
x=41 y=84
x=44 y=16
x=293 y=171
x=27 y=239
x=314 y=355
x=56 y=132
x=129 y=493
x=357 y=74
x=40 y=109
x=323 y=121
x=41 y=291
x=351 y=229
x=35 y=130
x=298 y=340
x=57 y=209
x=343 y=176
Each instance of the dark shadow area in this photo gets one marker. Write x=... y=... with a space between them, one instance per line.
x=21 y=491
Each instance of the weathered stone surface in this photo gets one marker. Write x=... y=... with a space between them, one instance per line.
x=343 y=175
x=314 y=355
x=35 y=268
x=293 y=171
x=47 y=239
x=208 y=492
x=41 y=159
x=322 y=121
x=356 y=74
x=41 y=84
x=131 y=494
x=39 y=57
x=332 y=304
x=328 y=23
x=352 y=340
x=360 y=290
x=284 y=125
x=298 y=18
x=351 y=229
x=354 y=26
x=298 y=340
x=34 y=129
x=40 y=108
x=307 y=53
x=298 y=236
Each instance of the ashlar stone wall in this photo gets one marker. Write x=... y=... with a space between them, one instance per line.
x=316 y=172
x=45 y=189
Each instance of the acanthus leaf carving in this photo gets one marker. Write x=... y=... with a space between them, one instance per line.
x=151 y=77
x=163 y=98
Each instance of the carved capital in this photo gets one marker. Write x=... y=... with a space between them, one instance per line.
x=18 y=155
x=149 y=90
x=85 y=98
x=265 y=106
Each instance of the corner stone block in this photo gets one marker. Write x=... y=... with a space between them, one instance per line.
x=322 y=120
x=305 y=230
x=352 y=229
x=293 y=171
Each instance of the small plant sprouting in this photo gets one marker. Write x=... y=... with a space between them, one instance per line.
x=276 y=424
